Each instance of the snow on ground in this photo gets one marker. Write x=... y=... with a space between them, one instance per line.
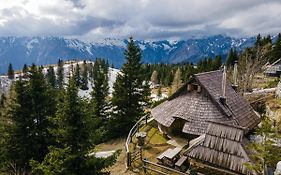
x=155 y=97
x=103 y=154
x=5 y=82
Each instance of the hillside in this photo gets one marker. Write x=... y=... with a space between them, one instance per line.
x=47 y=50
x=5 y=82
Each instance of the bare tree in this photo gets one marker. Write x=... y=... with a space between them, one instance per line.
x=154 y=78
x=177 y=82
x=249 y=64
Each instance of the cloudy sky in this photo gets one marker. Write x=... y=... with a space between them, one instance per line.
x=143 y=19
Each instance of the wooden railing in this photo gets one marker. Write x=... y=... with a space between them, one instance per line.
x=142 y=121
x=159 y=169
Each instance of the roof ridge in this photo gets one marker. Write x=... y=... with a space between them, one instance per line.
x=226 y=124
x=209 y=72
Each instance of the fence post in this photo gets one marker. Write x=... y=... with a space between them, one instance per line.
x=141 y=153
x=144 y=165
x=146 y=119
x=129 y=159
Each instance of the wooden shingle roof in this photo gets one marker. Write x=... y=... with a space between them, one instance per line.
x=236 y=106
x=198 y=109
x=223 y=146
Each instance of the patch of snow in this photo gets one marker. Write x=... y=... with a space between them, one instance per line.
x=31 y=43
x=5 y=82
x=173 y=42
x=166 y=47
x=111 y=42
x=142 y=46
x=155 y=97
x=102 y=154
x=75 y=44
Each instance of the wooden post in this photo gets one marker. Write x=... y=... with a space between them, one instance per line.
x=146 y=119
x=129 y=159
x=141 y=153
x=144 y=165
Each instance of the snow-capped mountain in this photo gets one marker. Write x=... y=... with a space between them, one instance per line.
x=47 y=50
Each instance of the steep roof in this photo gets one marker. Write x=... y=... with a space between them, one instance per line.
x=223 y=146
x=198 y=109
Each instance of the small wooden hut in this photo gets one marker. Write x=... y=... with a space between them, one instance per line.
x=223 y=147
x=206 y=98
x=274 y=69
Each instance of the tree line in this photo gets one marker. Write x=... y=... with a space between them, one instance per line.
x=46 y=128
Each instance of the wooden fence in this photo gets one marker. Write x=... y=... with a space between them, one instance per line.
x=130 y=156
x=159 y=169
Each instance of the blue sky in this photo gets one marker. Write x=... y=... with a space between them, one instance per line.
x=143 y=19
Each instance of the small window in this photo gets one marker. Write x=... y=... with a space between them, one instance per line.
x=193 y=87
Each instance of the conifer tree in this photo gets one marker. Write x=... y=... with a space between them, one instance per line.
x=129 y=96
x=232 y=57
x=72 y=131
x=42 y=109
x=77 y=76
x=17 y=146
x=60 y=74
x=258 y=41
x=24 y=71
x=100 y=91
x=275 y=54
x=90 y=69
x=51 y=77
x=84 y=78
x=29 y=111
x=217 y=63
x=11 y=74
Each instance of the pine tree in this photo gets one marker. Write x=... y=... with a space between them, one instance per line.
x=77 y=76
x=100 y=92
x=84 y=78
x=60 y=74
x=258 y=41
x=24 y=71
x=29 y=111
x=90 y=69
x=18 y=143
x=129 y=96
x=275 y=54
x=51 y=77
x=232 y=57
x=11 y=73
x=217 y=63
x=42 y=109
x=74 y=141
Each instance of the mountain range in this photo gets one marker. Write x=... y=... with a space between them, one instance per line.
x=47 y=50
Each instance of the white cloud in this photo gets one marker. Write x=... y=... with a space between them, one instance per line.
x=144 y=19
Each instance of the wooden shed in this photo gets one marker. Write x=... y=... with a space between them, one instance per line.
x=205 y=98
x=274 y=69
x=224 y=147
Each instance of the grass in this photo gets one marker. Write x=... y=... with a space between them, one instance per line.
x=119 y=167
x=157 y=138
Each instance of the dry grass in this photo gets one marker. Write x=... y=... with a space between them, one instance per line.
x=119 y=168
x=262 y=81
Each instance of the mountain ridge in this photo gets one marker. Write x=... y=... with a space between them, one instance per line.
x=47 y=50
